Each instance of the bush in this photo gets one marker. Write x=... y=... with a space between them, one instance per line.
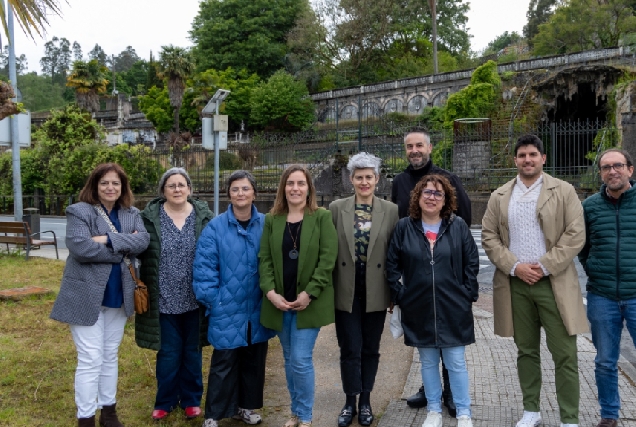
x=227 y=161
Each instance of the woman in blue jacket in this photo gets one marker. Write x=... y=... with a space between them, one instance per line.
x=226 y=282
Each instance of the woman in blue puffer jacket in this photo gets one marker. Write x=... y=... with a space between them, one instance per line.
x=226 y=282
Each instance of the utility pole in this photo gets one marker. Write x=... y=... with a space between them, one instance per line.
x=433 y=5
x=15 y=144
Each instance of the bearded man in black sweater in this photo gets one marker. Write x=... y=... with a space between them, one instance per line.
x=418 y=152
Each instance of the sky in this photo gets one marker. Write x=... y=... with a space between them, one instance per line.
x=146 y=25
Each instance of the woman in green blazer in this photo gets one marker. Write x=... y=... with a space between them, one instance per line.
x=298 y=252
x=364 y=224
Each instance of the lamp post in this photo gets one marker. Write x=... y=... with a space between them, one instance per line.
x=433 y=5
x=213 y=105
x=15 y=143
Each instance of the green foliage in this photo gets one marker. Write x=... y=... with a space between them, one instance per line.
x=283 y=103
x=68 y=147
x=478 y=98
x=442 y=154
x=539 y=11
x=239 y=82
x=156 y=106
x=227 y=161
x=502 y=41
x=585 y=24
x=38 y=94
x=244 y=34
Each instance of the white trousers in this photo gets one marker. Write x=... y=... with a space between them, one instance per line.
x=96 y=374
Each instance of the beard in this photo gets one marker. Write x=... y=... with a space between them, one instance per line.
x=418 y=161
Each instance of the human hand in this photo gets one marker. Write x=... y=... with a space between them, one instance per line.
x=100 y=239
x=529 y=273
x=278 y=301
x=302 y=302
x=390 y=310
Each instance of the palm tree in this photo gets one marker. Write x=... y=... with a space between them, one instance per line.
x=30 y=14
x=89 y=81
x=175 y=65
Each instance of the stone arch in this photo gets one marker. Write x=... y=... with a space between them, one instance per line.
x=416 y=104
x=327 y=115
x=349 y=112
x=370 y=109
x=393 y=105
x=440 y=99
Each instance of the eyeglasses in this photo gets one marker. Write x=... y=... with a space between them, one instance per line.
x=236 y=190
x=173 y=187
x=437 y=195
x=618 y=167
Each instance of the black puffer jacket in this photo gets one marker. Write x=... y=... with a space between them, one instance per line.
x=436 y=295
x=405 y=182
x=147 y=328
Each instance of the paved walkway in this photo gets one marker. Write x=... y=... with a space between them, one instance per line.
x=495 y=393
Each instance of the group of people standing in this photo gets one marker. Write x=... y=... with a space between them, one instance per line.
x=236 y=280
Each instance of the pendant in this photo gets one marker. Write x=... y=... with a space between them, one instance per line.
x=293 y=254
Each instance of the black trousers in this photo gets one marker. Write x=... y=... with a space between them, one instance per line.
x=359 y=336
x=237 y=379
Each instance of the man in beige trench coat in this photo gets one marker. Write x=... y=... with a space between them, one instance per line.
x=532 y=230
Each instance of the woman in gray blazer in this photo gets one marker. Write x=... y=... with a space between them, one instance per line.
x=364 y=224
x=104 y=232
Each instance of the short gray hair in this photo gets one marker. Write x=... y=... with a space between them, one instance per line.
x=364 y=161
x=167 y=174
x=241 y=174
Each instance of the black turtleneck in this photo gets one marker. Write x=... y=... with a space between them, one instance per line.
x=404 y=183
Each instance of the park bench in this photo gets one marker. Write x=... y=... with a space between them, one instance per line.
x=19 y=233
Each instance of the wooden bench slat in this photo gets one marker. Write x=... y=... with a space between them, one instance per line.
x=19 y=233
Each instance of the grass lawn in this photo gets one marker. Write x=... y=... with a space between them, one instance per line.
x=38 y=359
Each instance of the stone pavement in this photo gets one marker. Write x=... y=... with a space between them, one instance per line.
x=495 y=393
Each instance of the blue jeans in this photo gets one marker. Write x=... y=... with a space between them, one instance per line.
x=179 y=364
x=298 y=349
x=606 y=319
x=457 y=373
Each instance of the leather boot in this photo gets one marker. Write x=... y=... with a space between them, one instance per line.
x=418 y=400
x=447 y=394
x=108 y=417
x=86 y=422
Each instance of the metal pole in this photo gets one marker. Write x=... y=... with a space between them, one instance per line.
x=216 y=166
x=359 y=124
x=15 y=145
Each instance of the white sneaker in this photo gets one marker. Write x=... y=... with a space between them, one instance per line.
x=210 y=423
x=530 y=419
x=248 y=416
x=464 y=421
x=569 y=425
x=433 y=419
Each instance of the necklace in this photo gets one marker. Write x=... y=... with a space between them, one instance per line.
x=293 y=254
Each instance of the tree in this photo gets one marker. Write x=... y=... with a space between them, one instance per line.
x=539 y=11
x=244 y=34
x=585 y=24
x=125 y=60
x=30 y=14
x=38 y=94
x=21 y=63
x=89 y=81
x=77 y=52
x=282 y=103
x=502 y=41
x=98 y=53
x=57 y=59
x=134 y=78
x=175 y=65
x=156 y=107
x=478 y=98
x=237 y=105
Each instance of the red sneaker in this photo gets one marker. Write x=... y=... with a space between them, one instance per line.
x=192 y=412
x=159 y=414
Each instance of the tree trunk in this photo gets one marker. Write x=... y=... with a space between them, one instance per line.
x=176 y=119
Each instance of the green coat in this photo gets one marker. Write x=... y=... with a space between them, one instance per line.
x=147 y=328
x=316 y=260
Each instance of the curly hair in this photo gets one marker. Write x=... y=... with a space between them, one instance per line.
x=450 y=199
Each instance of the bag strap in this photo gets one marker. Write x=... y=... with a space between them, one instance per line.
x=105 y=217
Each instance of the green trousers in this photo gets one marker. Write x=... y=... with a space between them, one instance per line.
x=534 y=306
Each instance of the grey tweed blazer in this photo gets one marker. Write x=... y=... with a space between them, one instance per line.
x=89 y=263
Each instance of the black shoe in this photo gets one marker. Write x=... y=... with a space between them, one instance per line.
x=346 y=416
x=418 y=400
x=447 y=397
x=365 y=417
